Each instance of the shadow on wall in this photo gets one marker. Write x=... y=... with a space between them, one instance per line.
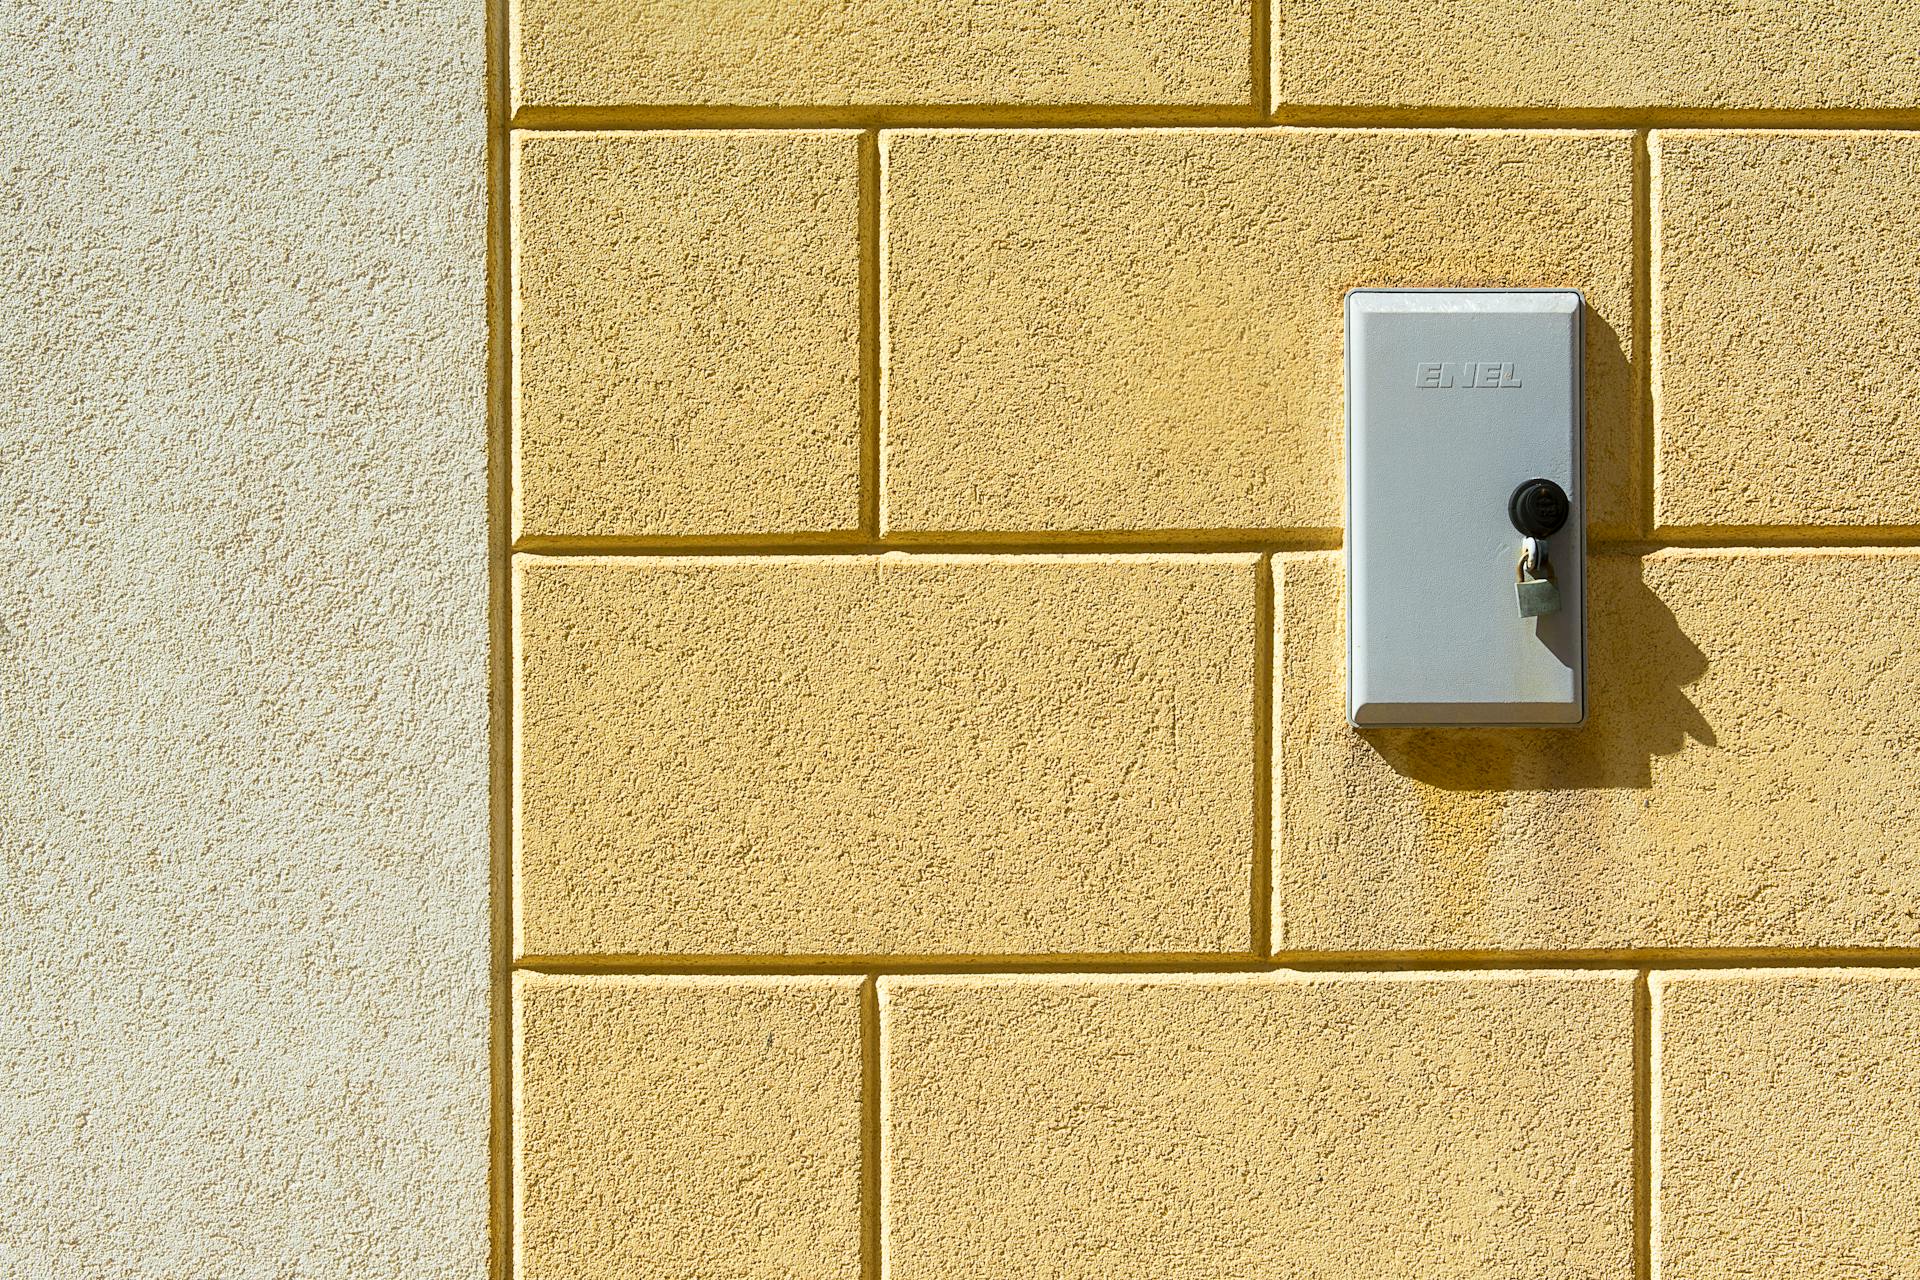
x=1639 y=666
x=1613 y=427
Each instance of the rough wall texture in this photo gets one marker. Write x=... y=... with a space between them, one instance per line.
x=801 y=52
x=243 y=1010
x=933 y=805
x=1457 y=1127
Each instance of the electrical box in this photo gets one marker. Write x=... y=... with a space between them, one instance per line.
x=1466 y=510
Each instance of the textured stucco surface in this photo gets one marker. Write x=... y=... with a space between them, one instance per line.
x=1789 y=373
x=1573 y=53
x=1789 y=1124
x=1746 y=776
x=1453 y=1127
x=884 y=753
x=1142 y=329
x=1021 y=729
x=686 y=332
x=243 y=986
x=680 y=1127
x=750 y=52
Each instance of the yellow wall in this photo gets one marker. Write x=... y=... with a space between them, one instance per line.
x=938 y=849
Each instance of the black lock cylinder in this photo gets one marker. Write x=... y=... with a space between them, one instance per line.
x=1538 y=508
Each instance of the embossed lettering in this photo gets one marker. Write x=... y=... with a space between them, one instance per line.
x=1478 y=375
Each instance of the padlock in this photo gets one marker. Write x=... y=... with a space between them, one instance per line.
x=1534 y=588
x=1538 y=597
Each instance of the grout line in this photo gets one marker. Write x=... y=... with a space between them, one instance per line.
x=1208 y=962
x=882 y=332
x=1642 y=1128
x=1254 y=114
x=1655 y=340
x=1653 y=1128
x=1769 y=538
x=1445 y=117
x=1164 y=541
x=870 y=1243
x=824 y=543
x=1645 y=453
x=1184 y=542
x=1263 y=676
x=499 y=668
x=870 y=334
x=884 y=116
x=878 y=965
x=1262 y=18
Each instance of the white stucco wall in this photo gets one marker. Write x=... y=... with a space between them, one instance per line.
x=243 y=817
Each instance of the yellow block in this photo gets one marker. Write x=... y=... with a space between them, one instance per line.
x=886 y=754
x=755 y=53
x=1789 y=1124
x=1445 y=1127
x=1746 y=777
x=1515 y=54
x=1142 y=329
x=1788 y=333
x=686 y=333
x=670 y=1127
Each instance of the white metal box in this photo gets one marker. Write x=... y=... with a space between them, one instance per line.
x=1454 y=398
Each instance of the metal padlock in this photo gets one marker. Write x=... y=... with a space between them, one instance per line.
x=1534 y=588
x=1538 y=597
